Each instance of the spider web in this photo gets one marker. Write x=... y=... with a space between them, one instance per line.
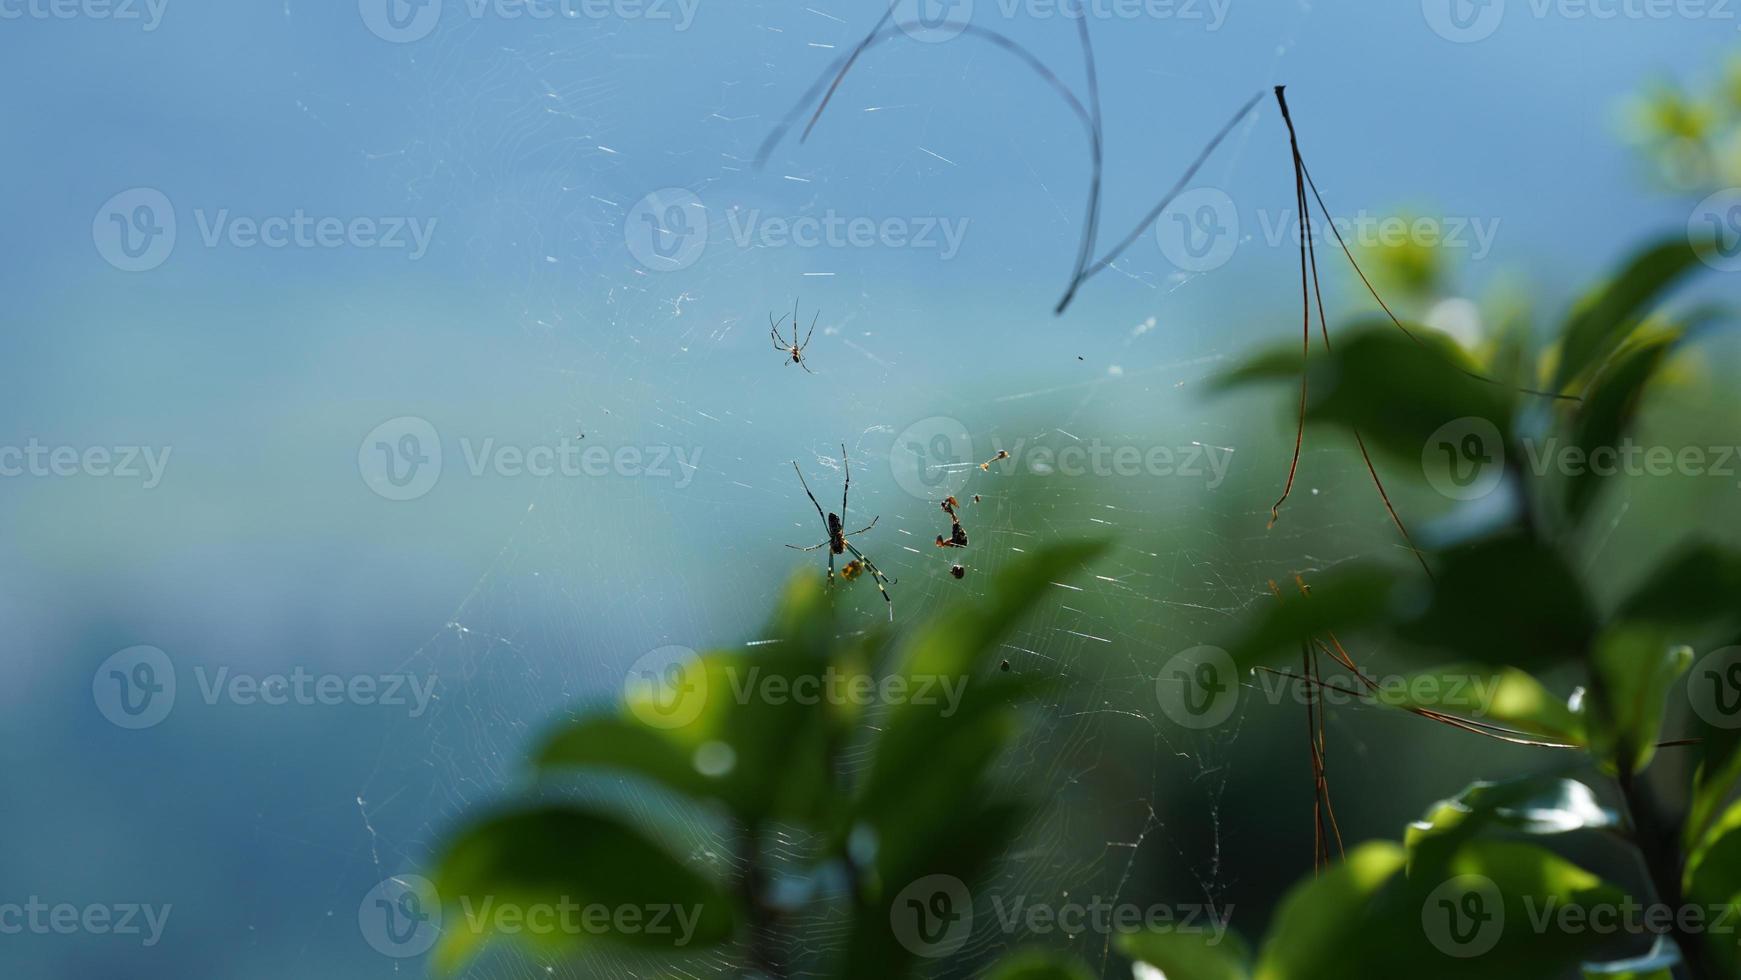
x=547 y=137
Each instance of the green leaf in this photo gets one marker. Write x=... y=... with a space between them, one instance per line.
x=959 y=848
x=752 y=731
x=1634 y=668
x=626 y=745
x=1543 y=929
x=1531 y=805
x=926 y=808
x=1713 y=881
x=1603 y=321
x=1510 y=600
x=1279 y=363
x=1472 y=918
x=1695 y=586
x=1189 y=955
x=1497 y=695
x=1396 y=391
x=544 y=874
x=1715 y=779
x=1324 y=926
x=933 y=750
x=1607 y=413
x=1034 y=964
x=724 y=726
x=1344 y=599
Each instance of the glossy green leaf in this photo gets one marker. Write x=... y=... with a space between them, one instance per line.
x=561 y=877
x=1531 y=805
x=1478 y=915
x=1189 y=955
x=1035 y=964
x=1635 y=667
x=1602 y=323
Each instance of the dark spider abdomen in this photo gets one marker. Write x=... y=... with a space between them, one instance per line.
x=836 y=534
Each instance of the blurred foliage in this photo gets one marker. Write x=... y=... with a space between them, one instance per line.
x=1503 y=592
x=1690 y=138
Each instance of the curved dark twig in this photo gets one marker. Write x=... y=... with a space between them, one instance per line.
x=832 y=76
x=1155 y=212
x=829 y=82
x=1096 y=151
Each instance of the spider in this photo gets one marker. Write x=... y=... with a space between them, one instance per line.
x=837 y=543
x=794 y=348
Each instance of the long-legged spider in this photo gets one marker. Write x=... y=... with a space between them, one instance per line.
x=837 y=542
x=794 y=348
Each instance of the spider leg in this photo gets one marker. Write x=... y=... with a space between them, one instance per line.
x=846 y=467
x=803 y=365
x=807 y=493
x=867 y=527
x=774 y=331
x=811 y=548
x=877 y=576
x=831 y=567
x=807 y=336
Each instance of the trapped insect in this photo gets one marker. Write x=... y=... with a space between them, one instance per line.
x=957 y=534
x=794 y=348
x=837 y=543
